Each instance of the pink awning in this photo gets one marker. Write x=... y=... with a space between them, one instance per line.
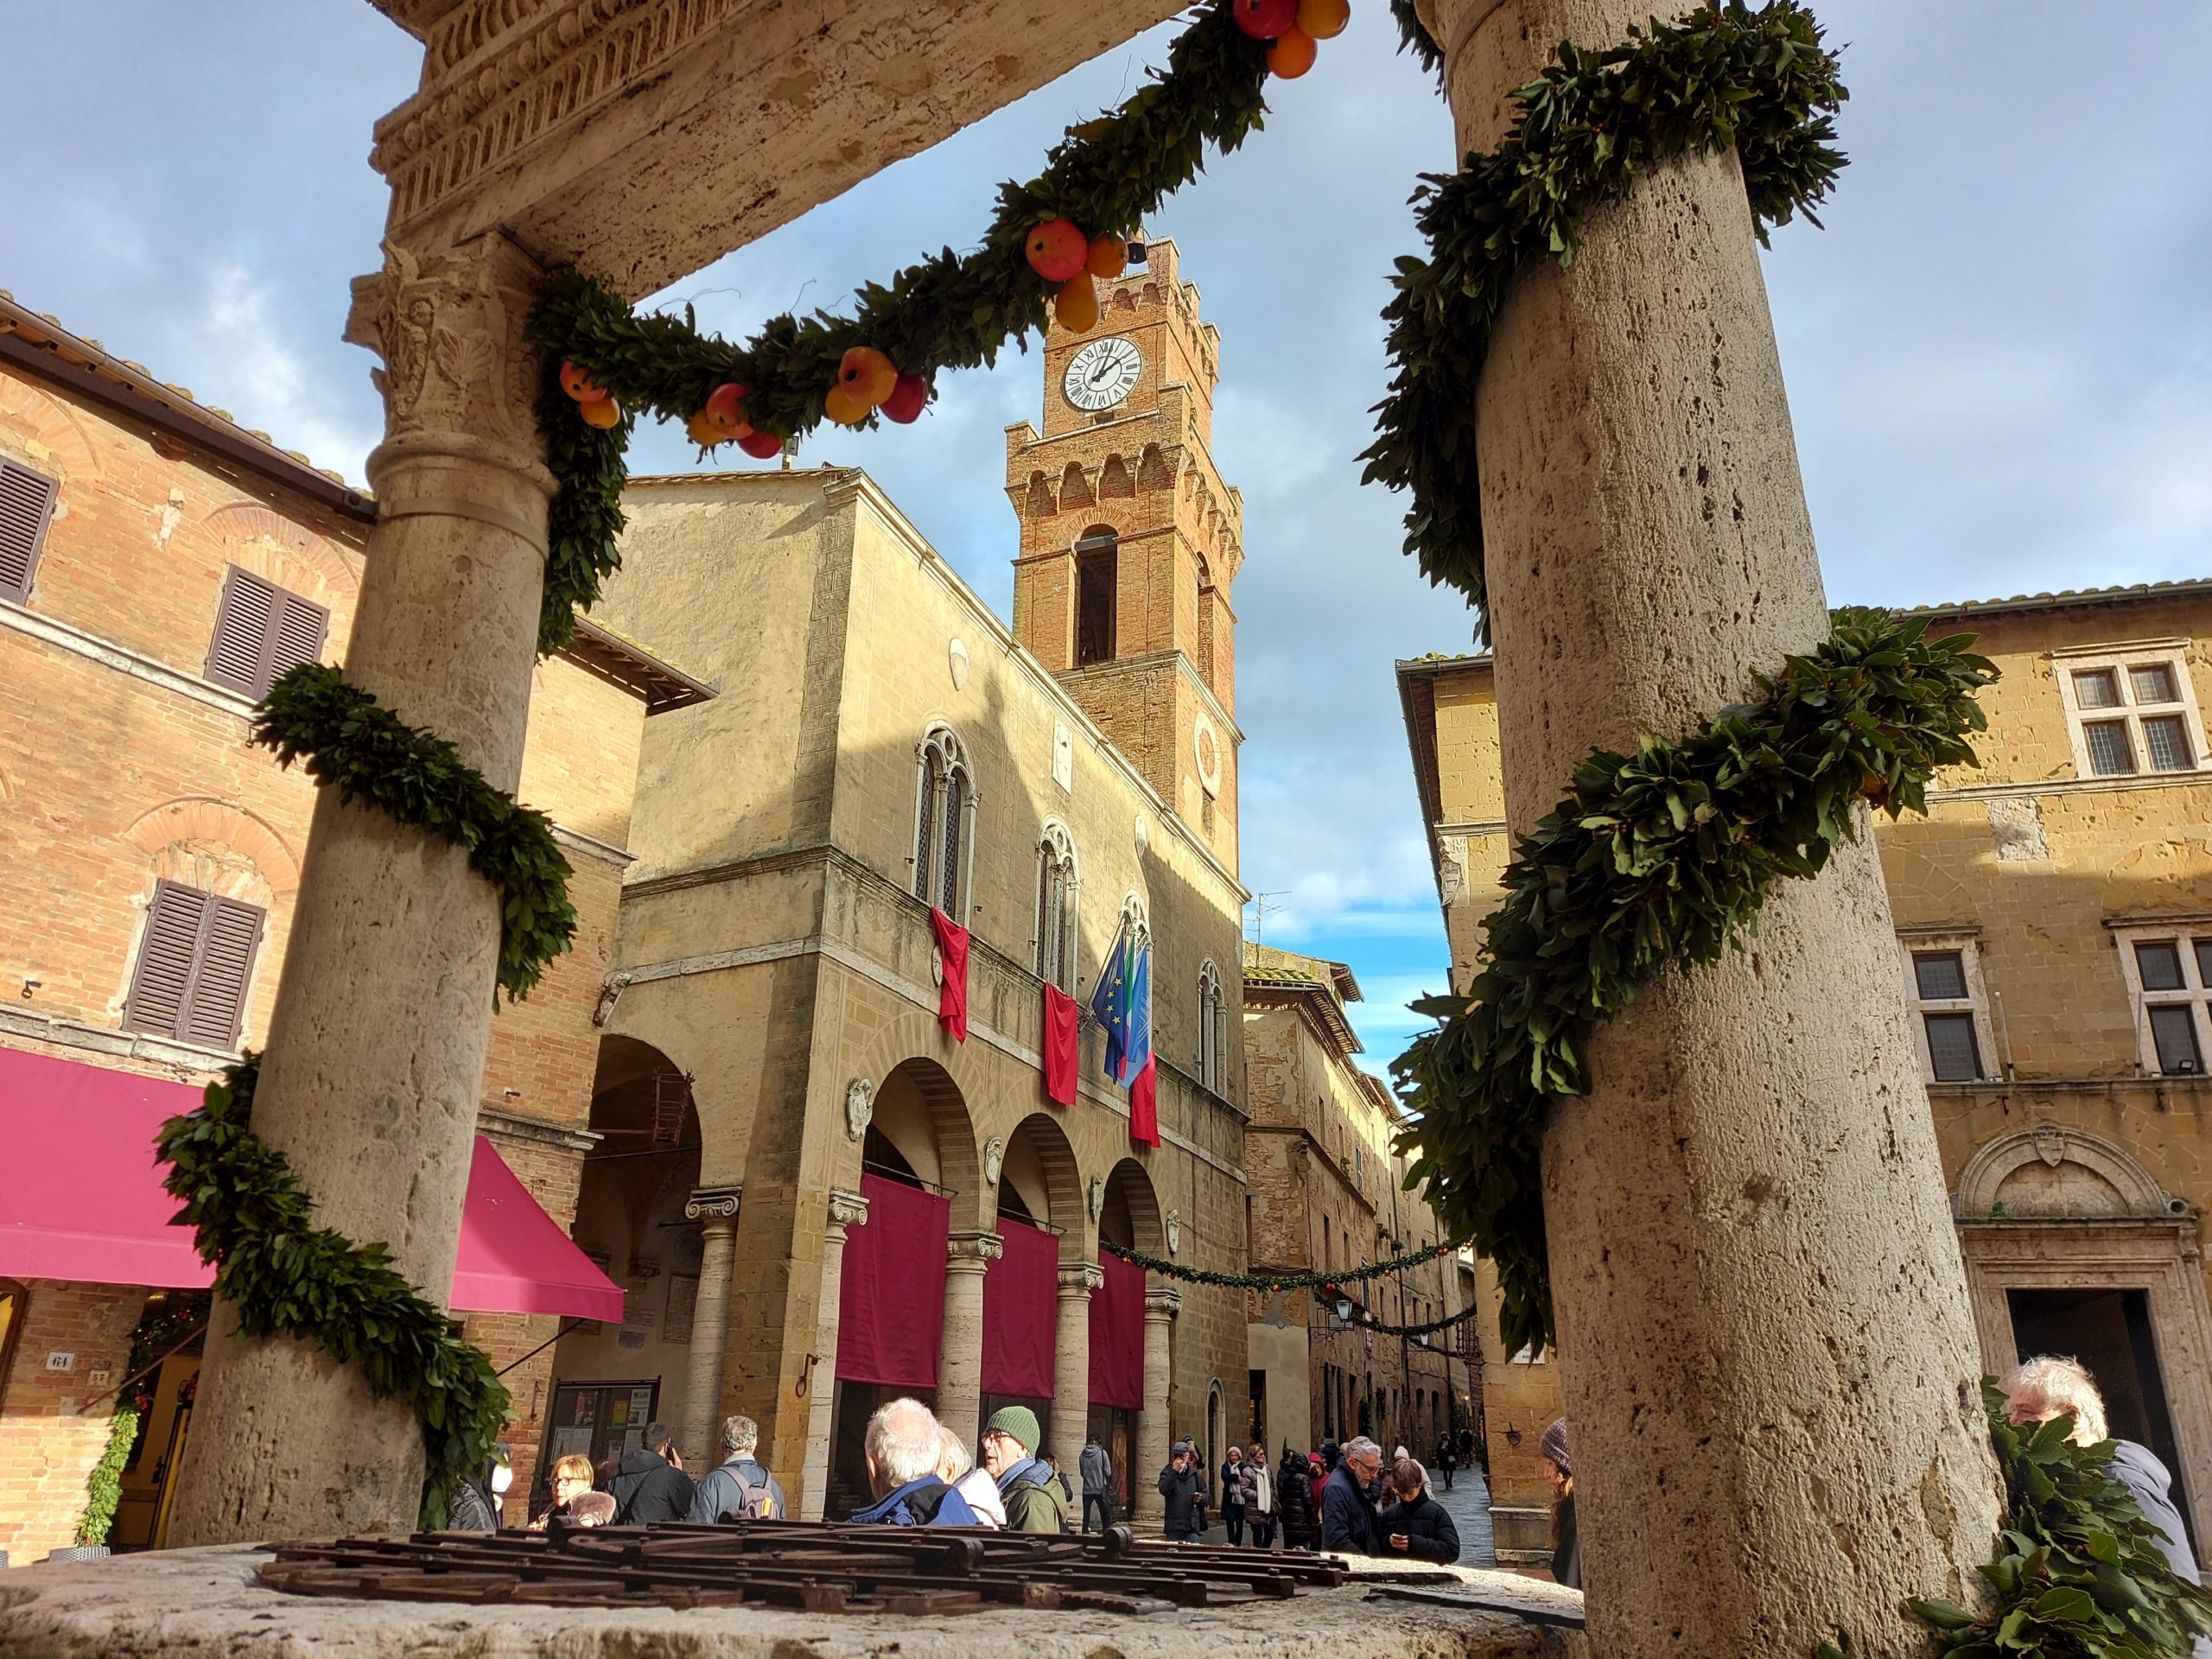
x=81 y=1199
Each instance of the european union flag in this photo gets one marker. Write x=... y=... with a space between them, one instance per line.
x=1122 y=1003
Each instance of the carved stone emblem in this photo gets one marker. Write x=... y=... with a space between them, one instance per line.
x=1174 y=1232
x=957 y=654
x=2051 y=1144
x=1097 y=1196
x=993 y=1160
x=860 y=1106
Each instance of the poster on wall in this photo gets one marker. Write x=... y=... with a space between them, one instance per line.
x=682 y=1302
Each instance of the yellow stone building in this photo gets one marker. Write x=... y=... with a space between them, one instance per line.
x=2054 y=916
x=781 y=1107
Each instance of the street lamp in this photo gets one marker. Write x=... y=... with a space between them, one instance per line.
x=1344 y=1310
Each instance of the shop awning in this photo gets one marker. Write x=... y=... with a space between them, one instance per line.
x=81 y=1200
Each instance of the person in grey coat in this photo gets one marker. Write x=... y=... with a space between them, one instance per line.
x=1096 y=1467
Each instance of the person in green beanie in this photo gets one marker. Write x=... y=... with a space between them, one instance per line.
x=1034 y=1499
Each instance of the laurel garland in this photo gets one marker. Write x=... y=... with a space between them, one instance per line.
x=1288 y=1279
x=287 y=1277
x=345 y=738
x=2078 y=1572
x=1759 y=83
x=1654 y=861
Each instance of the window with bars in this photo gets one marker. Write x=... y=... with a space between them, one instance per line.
x=1950 y=1008
x=943 y=823
x=262 y=633
x=26 y=508
x=1056 y=908
x=2170 y=975
x=2132 y=714
x=195 y=965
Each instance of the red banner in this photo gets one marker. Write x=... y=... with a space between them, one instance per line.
x=1063 y=1045
x=953 y=997
x=1144 y=1105
x=1021 y=1292
x=1118 y=1336
x=891 y=1305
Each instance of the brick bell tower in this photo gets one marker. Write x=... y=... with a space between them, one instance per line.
x=1130 y=541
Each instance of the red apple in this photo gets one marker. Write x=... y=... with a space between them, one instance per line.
x=867 y=376
x=725 y=411
x=907 y=400
x=1265 y=20
x=1056 y=250
x=762 y=446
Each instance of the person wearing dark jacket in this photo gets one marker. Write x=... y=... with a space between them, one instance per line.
x=1294 y=1500
x=900 y=1446
x=1183 y=1488
x=1417 y=1525
x=1347 y=1517
x=1567 y=1542
x=650 y=1485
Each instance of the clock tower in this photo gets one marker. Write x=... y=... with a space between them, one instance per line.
x=1130 y=541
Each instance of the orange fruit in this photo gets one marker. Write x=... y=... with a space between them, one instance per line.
x=1109 y=257
x=601 y=411
x=1292 y=54
x=1076 y=305
x=844 y=408
x=1323 y=19
x=578 y=385
x=867 y=376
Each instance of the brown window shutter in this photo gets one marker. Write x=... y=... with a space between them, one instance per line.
x=302 y=626
x=26 y=508
x=217 y=1007
x=161 y=985
x=240 y=652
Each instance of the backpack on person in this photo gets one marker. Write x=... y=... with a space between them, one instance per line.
x=756 y=1501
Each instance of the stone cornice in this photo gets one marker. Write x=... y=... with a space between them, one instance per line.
x=503 y=1125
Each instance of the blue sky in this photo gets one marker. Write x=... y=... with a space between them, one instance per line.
x=1998 y=351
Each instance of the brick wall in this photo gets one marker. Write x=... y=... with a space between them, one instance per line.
x=47 y=1444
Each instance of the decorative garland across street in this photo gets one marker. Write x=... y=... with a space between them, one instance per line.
x=1657 y=860
x=1289 y=1279
x=2079 y=1573
x=348 y=740
x=1758 y=82
x=287 y=1277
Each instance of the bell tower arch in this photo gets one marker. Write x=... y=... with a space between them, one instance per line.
x=1130 y=540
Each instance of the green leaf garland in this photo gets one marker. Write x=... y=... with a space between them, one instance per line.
x=2078 y=1572
x=1288 y=1279
x=346 y=739
x=1653 y=861
x=1758 y=82
x=288 y=1277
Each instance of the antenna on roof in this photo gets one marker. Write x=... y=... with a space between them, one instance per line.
x=1261 y=911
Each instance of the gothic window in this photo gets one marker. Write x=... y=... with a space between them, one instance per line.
x=1056 y=908
x=2131 y=712
x=1213 y=1031
x=944 y=823
x=1097 y=559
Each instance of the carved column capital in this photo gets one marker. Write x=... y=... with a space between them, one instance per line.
x=847 y=1209
x=1161 y=1305
x=1081 y=1280
x=972 y=1252
x=714 y=1204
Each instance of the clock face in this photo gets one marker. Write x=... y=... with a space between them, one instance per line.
x=1102 y=373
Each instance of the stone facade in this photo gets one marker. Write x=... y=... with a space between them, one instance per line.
x=1327 y=1194
x=2078 y=1146
x=126 y=765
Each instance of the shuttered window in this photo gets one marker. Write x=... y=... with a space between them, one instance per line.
x=193 y=966
x=261 y=633
x=26 y=507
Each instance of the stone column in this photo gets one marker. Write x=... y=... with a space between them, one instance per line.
x=714 y=1208
x=960 y=1360
x=845 y=1210
x=1071 y=1361
x=369 y=1084
x=1763 y=1324
x=1153 y=1437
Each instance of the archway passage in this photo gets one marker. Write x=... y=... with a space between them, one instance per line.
x=1129 y=1216
x=1039 y=1224
x=609 y=1382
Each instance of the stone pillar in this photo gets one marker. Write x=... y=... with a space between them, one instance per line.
x=714 y=1208
x=845 y=1210
x=1153 y=1435
x=960 y=1360
x=1071 y=1361
x=369 y=1084
x=1763 y=1324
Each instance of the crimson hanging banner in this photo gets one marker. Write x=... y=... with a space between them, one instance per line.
x=1118 y=1335
x=1144 y=1105
x=952 y=998
x=891 y=1304
x=1021 y=1304
x=1063 y=1045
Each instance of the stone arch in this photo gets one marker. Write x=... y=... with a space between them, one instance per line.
x=1130 y=1215
x=1114 y=479
x=1041 y=499
x=289 y=554
x=1075 y=488
x=1039 y=1158
x=2171 y=874
x=633 y=1184
x=1121 y=300
x=1153 y=471
x=2049 y=1173
x=920 y=1112
x=1921 y=893
x=46 y=435
x=217 y=848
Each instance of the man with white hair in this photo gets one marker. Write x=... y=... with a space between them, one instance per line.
x=1347 y=1517
x=742 y=1486
x=2048 y=1386
x=903 y=1448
